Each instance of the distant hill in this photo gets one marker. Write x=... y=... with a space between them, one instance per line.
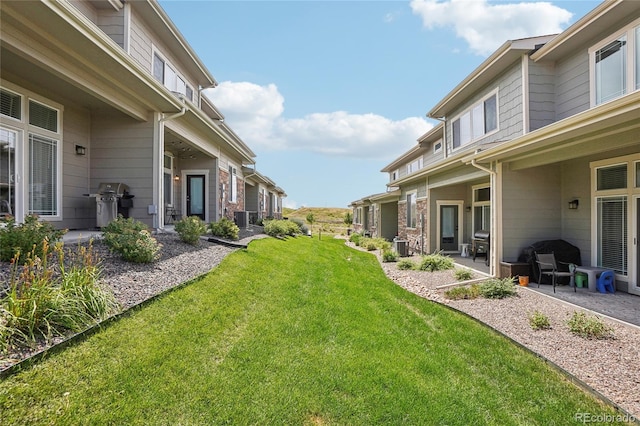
x=331 y=219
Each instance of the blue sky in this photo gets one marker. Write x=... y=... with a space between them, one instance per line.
x=327 y=93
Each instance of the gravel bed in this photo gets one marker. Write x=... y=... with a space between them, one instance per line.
x=133 y=283
x=610 y=366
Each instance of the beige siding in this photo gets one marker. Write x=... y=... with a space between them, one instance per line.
x=572 y=85
x=86 y=9
x=576 y=224
x=541 y=95
x=112 y=23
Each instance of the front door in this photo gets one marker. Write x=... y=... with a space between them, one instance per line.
x=195 y=196
x=449 y=227
x=634 y=286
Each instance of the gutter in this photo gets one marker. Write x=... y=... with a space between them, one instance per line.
x=180 y=113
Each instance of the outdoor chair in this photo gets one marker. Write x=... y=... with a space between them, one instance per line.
x=547 y=266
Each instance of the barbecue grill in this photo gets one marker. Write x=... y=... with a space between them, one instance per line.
x=481 y=245
x=111 y=199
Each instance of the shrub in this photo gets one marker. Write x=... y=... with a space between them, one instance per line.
x=225 y=228
x=355 y=238
x=40 y=302
x=435 y=262
x=539 y=321
x=389 y=256
x=463 y=274
x=406 y=264
x=304 y=230
x=190 y=229
x=27 y=237
x=463 y=292
x=371 y=246
x=590 y=327
x=132 y=240
x=281 y=228
x=498 y=288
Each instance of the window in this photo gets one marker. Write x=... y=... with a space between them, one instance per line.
x=393 y=175
x=43 y=175
x=10 y=104
x=481 y=208
x=638 y=174
x=165 y=74
x=31 y=149
x=437 y=147
x=233 y=185
x=168 y=179
x=475 y=123
x=412 y=210
x=615 y=65
x=612 y=177
x=612 y=233
x=414 y=166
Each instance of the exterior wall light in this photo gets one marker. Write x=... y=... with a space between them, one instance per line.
x=573 y=204
x=80 y=150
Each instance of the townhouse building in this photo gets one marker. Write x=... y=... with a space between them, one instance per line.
x=110 y=91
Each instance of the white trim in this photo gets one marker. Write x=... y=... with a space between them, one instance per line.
x=480 y=101
x=408 y=207
x=525 y=95
x=634 y=240
x=460 y=204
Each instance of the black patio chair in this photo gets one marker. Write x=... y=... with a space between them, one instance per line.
x=548 y=266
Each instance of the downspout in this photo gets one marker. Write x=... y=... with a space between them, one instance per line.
x=494 y=217
x=158 y=181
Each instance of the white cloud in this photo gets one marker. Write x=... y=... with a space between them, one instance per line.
x=290 y=204
x=486 y=26
x=255 y=114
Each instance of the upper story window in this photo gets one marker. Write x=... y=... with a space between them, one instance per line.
x=165 y=73
x=476 y=122
x=437 y=147
x=233 y=185
x=414 y=166
x=615 y=65
x=393 y=175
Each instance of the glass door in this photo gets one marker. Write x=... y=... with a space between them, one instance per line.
x=634 y=286
x=195 y=196
x=8 y=140
x=449 y=228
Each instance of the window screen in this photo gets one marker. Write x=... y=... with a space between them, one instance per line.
x=158 y=68
x=611 y=70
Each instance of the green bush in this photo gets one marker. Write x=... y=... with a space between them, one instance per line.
x=27 y=237
x=190 y=229
x=435 y=262
x=463 y=274
x=406 y=264
x=132 y=240
x=590 y=327
x=389 y=256
x=498 y=288
x=43 y=299
x=303 y=229
x=355 y=238
x=280 y=228
x=225 y=228
x=463 y=292
x=539 y=321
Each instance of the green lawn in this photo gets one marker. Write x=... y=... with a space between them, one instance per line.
x=293 y=332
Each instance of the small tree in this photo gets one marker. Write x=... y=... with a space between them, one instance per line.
x=348 y=218
x=311 y=220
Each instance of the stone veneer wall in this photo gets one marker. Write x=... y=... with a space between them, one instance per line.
x=412 y=236
x=230 y=208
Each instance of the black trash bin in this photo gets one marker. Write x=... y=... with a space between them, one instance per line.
x=125 y=203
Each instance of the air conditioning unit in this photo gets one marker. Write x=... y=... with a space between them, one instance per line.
x=401 y=247
x=241 y=218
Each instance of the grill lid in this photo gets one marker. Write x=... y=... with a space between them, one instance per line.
x=116 y=188
x=481 y=235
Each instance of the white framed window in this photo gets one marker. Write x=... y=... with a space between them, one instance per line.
x=614 y=183
x=233 y=185
x=414 y=166
x=412 y=210
x=614 y=65
x=31 y=149
x=476 y=122
x=393 y=175
x=481 y=208
x=437 y=147
x=165 y=73
x=168 y=179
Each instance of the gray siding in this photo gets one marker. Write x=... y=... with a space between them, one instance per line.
x=388 y=220
x=510 y=125
x=572 y=85
x=251 y=196
x=112 y=23
x=122 y=151
x=78 y=210
x=541 y=95
x=531 y=208
x=576 y=224
x=140 y=42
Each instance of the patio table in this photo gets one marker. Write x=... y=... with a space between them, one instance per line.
x=592 y=275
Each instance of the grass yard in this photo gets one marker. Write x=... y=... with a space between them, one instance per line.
x=293 y=332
